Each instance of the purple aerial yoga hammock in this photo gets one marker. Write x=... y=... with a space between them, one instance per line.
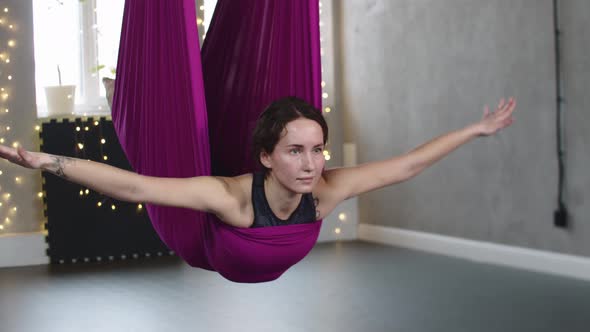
x=255 y=51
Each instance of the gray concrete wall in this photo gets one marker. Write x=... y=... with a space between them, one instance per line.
x=413 y=70
x=576 y=80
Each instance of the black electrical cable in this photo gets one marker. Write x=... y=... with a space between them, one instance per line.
x=560 y=215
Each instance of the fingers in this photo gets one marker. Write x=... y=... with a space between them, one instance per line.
x=486 y=111
x=501 y=104
x=8 y=153
x=16 y=156
x=510 y=105
x=22 y=153
x=506 y=108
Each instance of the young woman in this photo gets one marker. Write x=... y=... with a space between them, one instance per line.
x=293 y=187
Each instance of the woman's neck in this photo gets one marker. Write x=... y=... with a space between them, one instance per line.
x=281 y=200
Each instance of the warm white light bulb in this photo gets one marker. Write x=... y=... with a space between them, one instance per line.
x=81 y=192
x=96 y=123
x=99 y=204
x=323 y=84
x=327 y=157
x=80 y=146
x=37 y=128
x=9 y=77
x=105 y=158
x=103 y=141
x=17 y=179
x=86 y=128
x=328 y=109
x=77 y=128
x=40 y=194
x=113 y=207
x=337 y=230
x=325 y=95
x=87 y=191
x=11 y=43
x=342 y=216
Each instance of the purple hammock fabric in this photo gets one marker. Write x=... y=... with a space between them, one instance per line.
x=255 y=51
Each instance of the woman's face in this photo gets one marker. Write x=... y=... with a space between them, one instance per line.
x=298 y=160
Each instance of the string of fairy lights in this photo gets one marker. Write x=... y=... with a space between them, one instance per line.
x=94 y=128
x=8 y=208
x=327 y=100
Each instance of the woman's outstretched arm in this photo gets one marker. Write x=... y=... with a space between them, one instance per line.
x=210 y=194
x=351 y=181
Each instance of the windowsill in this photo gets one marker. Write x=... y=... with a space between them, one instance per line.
x=80 y=110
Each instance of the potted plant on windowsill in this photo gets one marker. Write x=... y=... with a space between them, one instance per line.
x=108 y=83
x=60 y=98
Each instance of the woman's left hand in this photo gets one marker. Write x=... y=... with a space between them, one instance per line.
x=499 y=119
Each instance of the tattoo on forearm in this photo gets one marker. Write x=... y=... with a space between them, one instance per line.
x=58 y=165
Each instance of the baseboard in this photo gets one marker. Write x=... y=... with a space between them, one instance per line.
x=522 y=258
x=23 y=249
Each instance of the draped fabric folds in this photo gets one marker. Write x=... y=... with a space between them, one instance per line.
x=255 y=51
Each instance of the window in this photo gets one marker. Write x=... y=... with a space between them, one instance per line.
x=81 y=37
x=76 y=43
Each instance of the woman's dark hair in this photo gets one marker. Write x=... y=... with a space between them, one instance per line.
x=273 y=120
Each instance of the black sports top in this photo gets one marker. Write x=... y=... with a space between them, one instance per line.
x=263 y=215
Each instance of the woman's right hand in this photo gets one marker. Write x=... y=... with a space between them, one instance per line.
x=22 y=157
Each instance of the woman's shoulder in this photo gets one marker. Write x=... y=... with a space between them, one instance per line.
x=325 y=196
x=244 y=181
x=239 y=212
x=242 y=188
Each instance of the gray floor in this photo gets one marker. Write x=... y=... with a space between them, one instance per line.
x=349 y=286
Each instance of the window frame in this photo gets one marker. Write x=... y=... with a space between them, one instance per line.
x=89 y=81
x=88 y=85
